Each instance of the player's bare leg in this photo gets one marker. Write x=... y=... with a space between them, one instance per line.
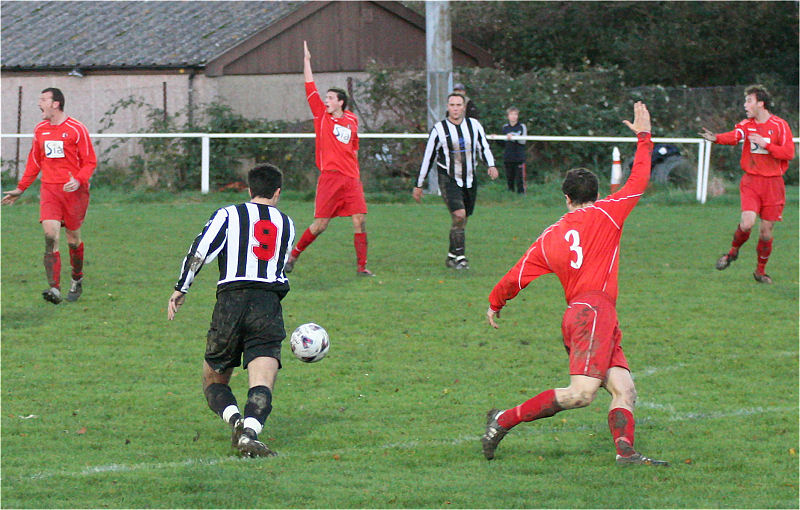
x=579 y=393
x=620 y=418
x=456 y=256
x=764 y=249
x=52 y=260
x=316 y=228
x=76 y=262
x=360 y=244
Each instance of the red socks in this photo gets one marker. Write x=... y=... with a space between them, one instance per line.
x=76 y=261
x=306 y=239
x=739 y=238
x=621 y=424
x=360 y=243
x=763 y=249
x=52 y=269
x=542 y=405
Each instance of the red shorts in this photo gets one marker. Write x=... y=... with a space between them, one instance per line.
x=68 y=208
x=592 y=336
x=339 y=195
x=764 y=195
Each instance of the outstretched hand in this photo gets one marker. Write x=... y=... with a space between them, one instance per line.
x=9 y=197
x=306 y=53
x=708 y=135
x=641 y=119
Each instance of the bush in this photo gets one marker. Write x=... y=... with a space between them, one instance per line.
x=553 y=101
x=175 y=163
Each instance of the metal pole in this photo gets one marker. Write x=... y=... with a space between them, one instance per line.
x=439 y=52
x=164 y=94
x=205 y=158
x=19 y=130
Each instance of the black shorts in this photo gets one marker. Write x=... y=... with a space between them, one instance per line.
x=455 y=196
x=246 y=324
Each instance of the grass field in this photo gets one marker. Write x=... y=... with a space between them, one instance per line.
x=102 y=407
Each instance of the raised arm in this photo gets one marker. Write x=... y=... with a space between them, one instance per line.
x=307 y=63
x=621 y=203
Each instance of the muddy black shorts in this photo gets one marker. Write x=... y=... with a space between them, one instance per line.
x=455 y=196
x=246 y=324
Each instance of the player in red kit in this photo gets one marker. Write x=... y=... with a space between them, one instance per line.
x=766 y=151
x=582 y=249
x=339 y=189
x=62 y=151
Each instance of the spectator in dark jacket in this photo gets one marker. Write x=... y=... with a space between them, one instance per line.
x=514 y=155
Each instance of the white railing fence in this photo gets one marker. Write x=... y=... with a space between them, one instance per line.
x=703 y=146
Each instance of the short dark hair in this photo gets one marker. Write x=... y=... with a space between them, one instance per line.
x=761 y=94
x=57 y=96
x=456 y=94
x=580 y=185
x=264 y=180
x=341 y=95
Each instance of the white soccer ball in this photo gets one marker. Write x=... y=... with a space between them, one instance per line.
x=310 y=342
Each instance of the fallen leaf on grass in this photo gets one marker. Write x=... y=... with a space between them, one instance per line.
x=687 y=461
x=792 y=451
x=81 y=430
x=336 y=456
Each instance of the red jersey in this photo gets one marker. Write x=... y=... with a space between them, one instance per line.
x=769 y=161
x=581 y=248
x=60 y=151
x=336 y=138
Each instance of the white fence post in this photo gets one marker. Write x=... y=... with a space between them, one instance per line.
x=701 y=150
x=706 y=165
x=204 y=162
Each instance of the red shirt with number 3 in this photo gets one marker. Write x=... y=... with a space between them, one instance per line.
x=581 y=248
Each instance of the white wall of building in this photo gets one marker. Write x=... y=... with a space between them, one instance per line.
x=89 y=99
x=276 y=96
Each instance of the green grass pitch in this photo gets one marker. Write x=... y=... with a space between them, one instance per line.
x=102 y=406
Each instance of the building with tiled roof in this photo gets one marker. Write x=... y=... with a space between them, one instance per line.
x=178 y=54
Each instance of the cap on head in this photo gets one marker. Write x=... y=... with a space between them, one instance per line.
x=459 y=86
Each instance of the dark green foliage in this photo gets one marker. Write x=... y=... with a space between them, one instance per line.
x=668 y=43
x=592 y=101
x=175 y=163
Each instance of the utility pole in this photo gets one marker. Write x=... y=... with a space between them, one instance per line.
x=439 y=52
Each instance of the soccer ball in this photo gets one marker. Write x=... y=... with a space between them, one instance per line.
x=310 y=342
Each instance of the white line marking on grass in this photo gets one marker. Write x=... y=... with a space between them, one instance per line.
x=125 y=468
x=747 y=411
x=648 y=371
x=408 y=445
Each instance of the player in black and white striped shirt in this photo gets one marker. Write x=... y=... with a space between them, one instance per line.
x=453 y=149
x=251 y=242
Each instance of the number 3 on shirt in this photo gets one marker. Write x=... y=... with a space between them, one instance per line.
x=265 y=233
x=576 y=247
